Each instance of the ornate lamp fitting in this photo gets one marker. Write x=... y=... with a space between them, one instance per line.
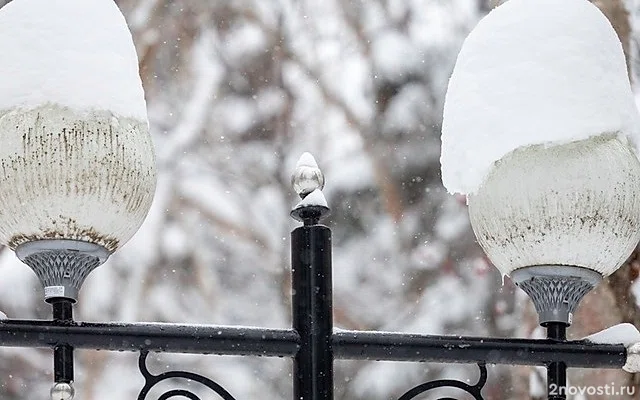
x=556 y=290
x=62 y=265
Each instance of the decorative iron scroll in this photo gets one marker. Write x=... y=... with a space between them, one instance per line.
x=152 y=380
x=473 y=390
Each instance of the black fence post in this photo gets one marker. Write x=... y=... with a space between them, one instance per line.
x=312 y=310
x=62 y=353
x=557 y=371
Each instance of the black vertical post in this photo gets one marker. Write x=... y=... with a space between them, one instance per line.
x=62 y=353
x=557 y=371
x=312 y=310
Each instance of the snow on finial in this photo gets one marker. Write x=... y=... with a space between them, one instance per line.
x=307 y=160
x=315 y=198
x=307 y=177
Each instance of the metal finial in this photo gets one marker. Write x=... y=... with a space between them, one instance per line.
x=307 y=177
x=308 y=181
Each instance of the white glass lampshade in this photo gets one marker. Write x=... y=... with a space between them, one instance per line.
x=576 y=204
x=539 y=130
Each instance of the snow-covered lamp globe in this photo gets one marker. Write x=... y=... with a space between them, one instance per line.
x=77 y=172
x=539 y=132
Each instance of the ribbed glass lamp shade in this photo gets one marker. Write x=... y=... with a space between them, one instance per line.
x=73 y=175
x=576 y=204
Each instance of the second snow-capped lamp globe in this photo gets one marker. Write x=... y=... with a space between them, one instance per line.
x=77 y=170
x=539 y=131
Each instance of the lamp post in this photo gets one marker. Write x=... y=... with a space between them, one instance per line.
x=76 y=185
x=77 y=164
x=554 y=200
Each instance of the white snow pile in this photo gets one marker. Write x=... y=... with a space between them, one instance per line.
x=533 y=72
x=307 y=160
x=633 y=359
x=625 y=334
x=315 y=198
x=74 y=53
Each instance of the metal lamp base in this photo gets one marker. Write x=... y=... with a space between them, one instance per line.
x=556 y=290
x=62 y=265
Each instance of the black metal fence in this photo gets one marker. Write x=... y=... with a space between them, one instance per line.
x=311 y=342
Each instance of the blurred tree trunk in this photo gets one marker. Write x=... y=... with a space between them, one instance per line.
x=612 y=302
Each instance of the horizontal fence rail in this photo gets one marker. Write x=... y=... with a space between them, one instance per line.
x=352 y=345
x=171 y=338
x=465 y=349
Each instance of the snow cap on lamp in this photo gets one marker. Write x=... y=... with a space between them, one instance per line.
x=77 y=158
x=533 y=72
x=538 y=130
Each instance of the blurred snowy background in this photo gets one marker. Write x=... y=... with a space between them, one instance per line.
x=236 y=91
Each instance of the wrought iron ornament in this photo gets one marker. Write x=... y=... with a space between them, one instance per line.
x=150 y=380
x=474 y=390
